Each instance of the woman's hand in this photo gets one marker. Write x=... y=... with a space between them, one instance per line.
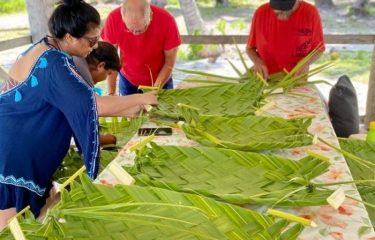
x=149 y=98
x=124 y=106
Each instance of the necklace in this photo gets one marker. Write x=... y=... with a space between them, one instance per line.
x=57 y=43
x=54 y=44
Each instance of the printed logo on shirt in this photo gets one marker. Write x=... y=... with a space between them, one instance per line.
x=303 y=49
x=304 y=32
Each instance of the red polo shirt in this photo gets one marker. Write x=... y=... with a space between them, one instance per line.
x=281 y=44
x=142 y=55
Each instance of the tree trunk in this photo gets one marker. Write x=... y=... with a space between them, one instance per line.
x=324 y=4
x=222 y=3
x=195 y=26
x=370 y=107
x=193 y=19
x=160 y=3
x=38 y=17
x=359 y=8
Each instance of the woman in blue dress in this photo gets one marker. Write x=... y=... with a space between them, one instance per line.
x=45 y=103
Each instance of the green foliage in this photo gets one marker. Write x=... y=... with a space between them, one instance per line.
x=355 y=64
x=248 y=133
x=122 y=128
x=364 y=150
x=221 y=25
x=233 y=176
x=11 y=6
x=239 y=24
x=227 y=100
x=74 y=161
x=92 y=211
x=194 y=50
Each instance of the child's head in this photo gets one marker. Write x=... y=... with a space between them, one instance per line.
x=103 y=61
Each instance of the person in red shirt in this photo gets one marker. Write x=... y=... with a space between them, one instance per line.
x=148 y=38
x=282 y=33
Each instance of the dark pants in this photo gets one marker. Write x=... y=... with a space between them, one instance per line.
x=127 y=88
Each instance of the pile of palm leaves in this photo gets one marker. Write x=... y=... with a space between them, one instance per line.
x=360 y=156
x=282 y=80
x=249 y=133
x=229 y=100
x=91 y=211
x=74 y=160
x=122 y=128
x=233 y=176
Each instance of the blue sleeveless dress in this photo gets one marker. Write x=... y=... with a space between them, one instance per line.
x=38 y=118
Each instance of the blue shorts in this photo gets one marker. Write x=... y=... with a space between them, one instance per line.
x=127 y=88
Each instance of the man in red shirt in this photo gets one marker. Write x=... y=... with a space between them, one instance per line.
x=148 y=38
x=282 y=33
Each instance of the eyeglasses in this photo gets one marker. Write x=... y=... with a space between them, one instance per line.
x=92 y=41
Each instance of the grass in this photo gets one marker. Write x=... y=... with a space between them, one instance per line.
x=12 y=6
x=356 y=64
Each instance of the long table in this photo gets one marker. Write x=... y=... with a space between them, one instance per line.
x=350 y=221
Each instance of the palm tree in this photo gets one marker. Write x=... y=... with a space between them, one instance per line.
x=193 y=19
x=38 y=17
x=194 y=25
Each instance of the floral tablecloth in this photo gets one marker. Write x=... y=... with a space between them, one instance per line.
x=350 y=221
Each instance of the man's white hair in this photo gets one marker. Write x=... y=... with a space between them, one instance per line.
x=147 y=13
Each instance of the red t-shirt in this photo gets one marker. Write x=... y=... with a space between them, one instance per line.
x=281 y=44
x=142 y=53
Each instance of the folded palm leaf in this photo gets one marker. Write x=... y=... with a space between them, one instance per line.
x=233 y=176
x=249 y=133
x=228 y=100
x=91 y=211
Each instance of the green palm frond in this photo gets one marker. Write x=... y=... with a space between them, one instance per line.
x=360 y=171
x=249 y=133
x=281 y=80
x=122 y=128
x=233 y=176
x=226 y=100
x=91 y=211
x=74 y=161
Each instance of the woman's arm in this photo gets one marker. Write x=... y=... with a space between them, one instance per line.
x=124 y=106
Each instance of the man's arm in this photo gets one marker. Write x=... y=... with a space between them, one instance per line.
x=306 y=67
x=259 y=66
x=166 y=71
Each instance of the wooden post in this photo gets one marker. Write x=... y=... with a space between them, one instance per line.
x=39 y=14
x=370 y=106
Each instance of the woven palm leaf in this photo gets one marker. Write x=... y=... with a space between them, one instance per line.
x=233 y=176
x=249 y=133
x=130 y=212
x=366 y=151
x=281 y=80
x=228 y=100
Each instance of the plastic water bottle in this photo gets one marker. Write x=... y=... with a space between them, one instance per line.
x=371 y=132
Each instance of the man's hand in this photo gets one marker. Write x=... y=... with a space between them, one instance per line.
x=261 y=68
x=303 y=70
